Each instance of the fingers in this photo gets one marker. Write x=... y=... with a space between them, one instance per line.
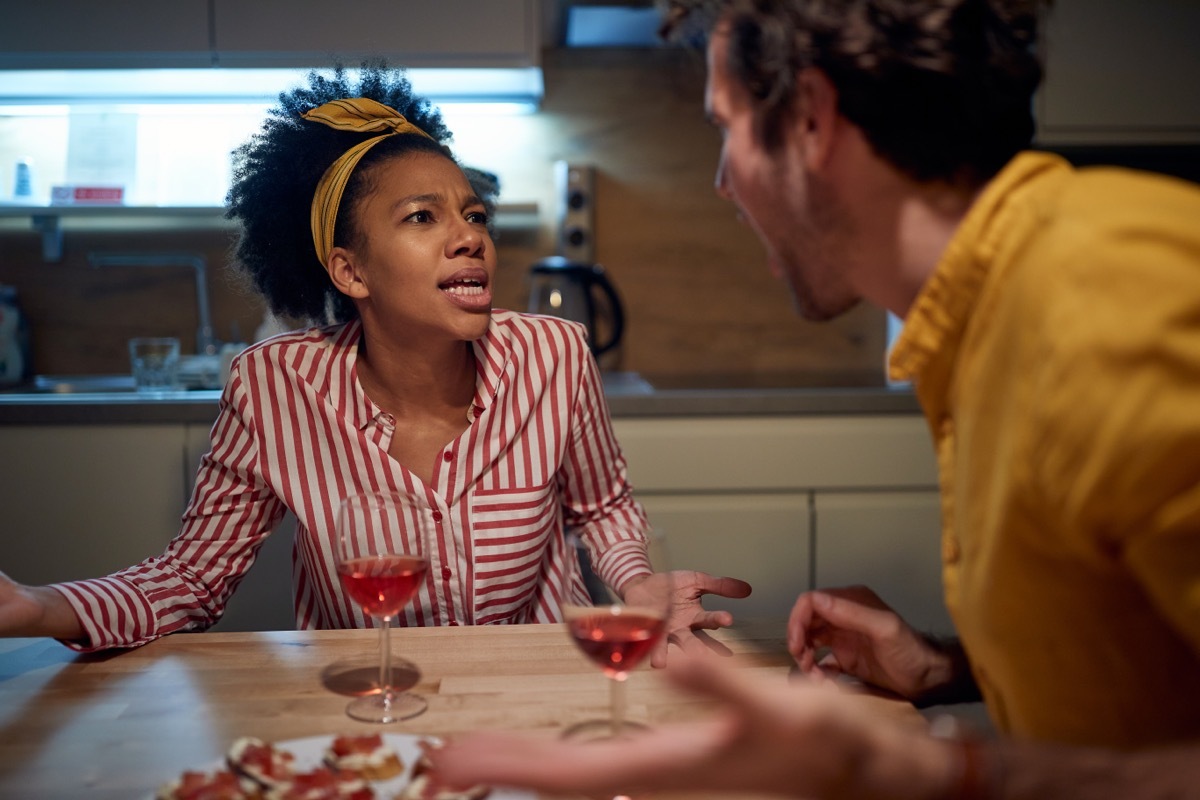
x=658 y=656
x=711 y=678
x=857 y=610
x=558 y=766
x=799 y=632
x=725 y=587
x=872 y=619
x=710 y=620
x=698 y=643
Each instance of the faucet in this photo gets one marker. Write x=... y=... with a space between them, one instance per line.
x=206 y=343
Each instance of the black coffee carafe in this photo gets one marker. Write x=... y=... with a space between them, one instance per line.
x=580 y=292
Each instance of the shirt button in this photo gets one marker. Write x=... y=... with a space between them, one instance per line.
x=446 y=573
x=448 y=456
x=437 y=515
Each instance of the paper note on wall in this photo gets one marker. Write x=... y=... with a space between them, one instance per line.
x=102 y=148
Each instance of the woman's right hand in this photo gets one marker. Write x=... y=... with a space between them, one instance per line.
x=35 y=611
x=851 y=631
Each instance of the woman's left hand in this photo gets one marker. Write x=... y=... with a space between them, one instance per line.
x=687 y=619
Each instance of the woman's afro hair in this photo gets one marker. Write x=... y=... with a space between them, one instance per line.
x=276 y=174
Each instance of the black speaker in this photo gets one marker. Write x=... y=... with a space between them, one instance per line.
x=576 y=187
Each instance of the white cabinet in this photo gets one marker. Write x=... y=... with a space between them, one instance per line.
x=793 y=503
x=889 y=541
x=1120 y=72
x=83 y=500
x=758 y=537
x=728 y=454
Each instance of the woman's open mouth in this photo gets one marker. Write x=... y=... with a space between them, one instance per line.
x=468 y=289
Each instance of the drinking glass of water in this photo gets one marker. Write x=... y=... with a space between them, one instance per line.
x=155 y=362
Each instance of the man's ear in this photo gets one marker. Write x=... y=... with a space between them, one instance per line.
x=818 y=109
x=344 y=273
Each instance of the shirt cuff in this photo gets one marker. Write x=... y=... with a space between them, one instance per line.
x=111 y=612
x=622 y=563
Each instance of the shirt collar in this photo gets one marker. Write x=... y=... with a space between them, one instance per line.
x=491 y=352
x=925 y=350
x=355 y=402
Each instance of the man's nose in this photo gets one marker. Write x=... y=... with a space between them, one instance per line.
x=720 y=182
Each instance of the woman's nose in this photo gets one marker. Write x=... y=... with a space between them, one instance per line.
x=467 y=240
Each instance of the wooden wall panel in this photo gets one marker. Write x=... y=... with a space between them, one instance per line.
x=698 y=296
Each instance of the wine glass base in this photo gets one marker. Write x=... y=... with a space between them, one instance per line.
x=359 y=678
x=595 y=730
x=399 y=706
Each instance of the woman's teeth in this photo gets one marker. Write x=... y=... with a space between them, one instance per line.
x=463 y=288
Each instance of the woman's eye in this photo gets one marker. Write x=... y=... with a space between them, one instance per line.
x=420 y=216
x=477 y=218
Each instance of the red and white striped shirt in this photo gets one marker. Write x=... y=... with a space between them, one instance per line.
x=296 y=431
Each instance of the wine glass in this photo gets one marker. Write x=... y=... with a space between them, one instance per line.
x=382 y=557
x=618 y=637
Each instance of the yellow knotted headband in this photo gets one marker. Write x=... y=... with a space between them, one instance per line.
x=353 y=114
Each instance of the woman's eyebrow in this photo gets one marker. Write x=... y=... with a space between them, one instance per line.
x=420 y=199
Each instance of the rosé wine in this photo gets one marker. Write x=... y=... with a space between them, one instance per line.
x=382 y=585
x=617 y=640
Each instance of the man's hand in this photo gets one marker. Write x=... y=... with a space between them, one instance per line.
x=770 y=738
x=851 y=631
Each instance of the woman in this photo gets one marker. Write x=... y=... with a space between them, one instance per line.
x=496 y=419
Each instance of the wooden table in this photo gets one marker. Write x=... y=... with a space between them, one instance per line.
x=118 y=725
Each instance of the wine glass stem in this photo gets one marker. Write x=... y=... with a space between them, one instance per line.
x=616 y=700
x=385 y=661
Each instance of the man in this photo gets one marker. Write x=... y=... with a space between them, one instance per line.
x=1052 y=332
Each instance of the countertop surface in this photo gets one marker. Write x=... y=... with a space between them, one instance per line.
x=119 y=724
x=628 y=394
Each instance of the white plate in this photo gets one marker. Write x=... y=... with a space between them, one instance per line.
x=310 y=751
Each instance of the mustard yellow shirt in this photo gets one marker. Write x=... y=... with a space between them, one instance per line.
x=1056 y=355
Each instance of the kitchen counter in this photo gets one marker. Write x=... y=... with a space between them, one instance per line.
x=629 y=395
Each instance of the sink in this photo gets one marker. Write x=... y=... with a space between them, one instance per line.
x=615 y=383
x=625 y=383
x=195 y=372
x=81 y=384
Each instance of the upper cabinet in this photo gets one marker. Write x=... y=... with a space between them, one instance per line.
x=84 y=34
x=448 y=33
x=1119 y=72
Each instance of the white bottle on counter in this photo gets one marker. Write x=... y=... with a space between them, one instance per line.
x=23 y=180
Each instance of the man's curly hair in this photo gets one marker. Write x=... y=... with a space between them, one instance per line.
x=276 y=174
x=941 y=88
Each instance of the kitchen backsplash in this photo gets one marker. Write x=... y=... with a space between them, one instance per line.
x=698 y=297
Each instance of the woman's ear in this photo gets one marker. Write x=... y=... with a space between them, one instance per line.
x=344 y=273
